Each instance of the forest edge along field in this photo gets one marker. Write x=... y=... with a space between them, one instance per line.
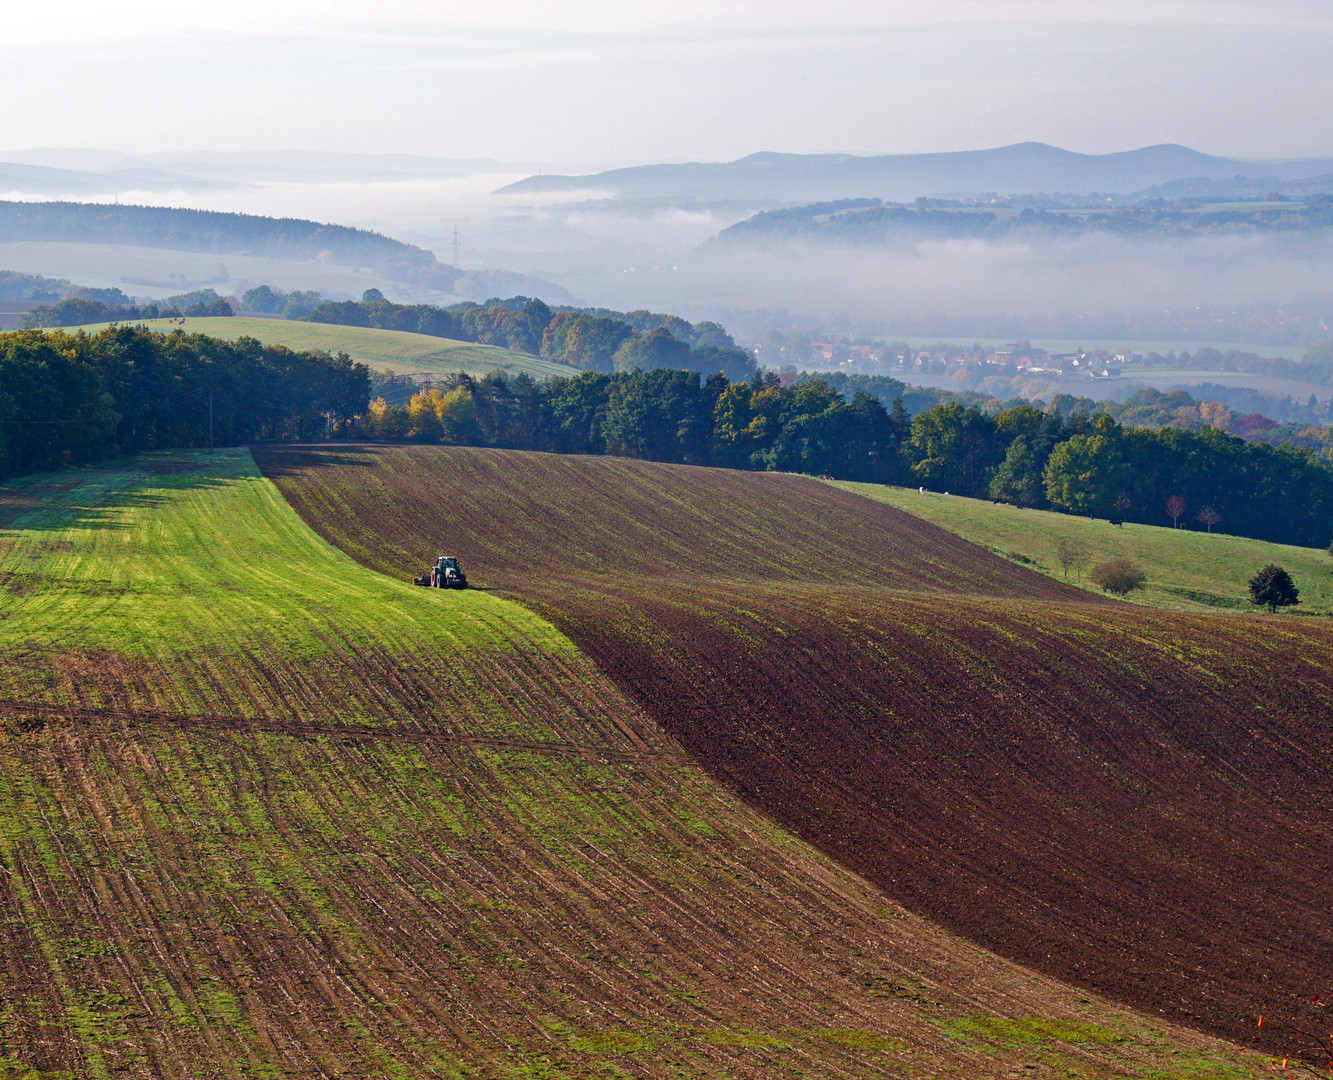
x=1107 y=793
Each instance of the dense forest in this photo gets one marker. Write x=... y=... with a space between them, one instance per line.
x=594 y=339
x=111 y=305
x=71 y=399
x=37 y=288
x=1076 y=461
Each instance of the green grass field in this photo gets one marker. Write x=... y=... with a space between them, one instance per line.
x=1186 y=570
x=381 y=350
x=196 y=550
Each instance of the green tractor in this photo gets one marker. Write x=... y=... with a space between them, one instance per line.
x=445 y=574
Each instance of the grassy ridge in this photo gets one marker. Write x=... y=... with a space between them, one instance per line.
x=264 y=813
x=379 y=349
x=1076 y=783
x=1186 y=569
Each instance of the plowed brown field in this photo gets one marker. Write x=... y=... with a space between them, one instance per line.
x=1134 y=801
x=264 y=813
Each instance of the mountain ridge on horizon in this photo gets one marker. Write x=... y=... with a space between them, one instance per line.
x=1018 y=168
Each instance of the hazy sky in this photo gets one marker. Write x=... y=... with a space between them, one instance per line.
x=599 y=80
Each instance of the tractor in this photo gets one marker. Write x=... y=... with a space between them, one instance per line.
x=445 y=574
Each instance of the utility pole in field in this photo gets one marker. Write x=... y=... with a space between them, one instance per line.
x=210 y=418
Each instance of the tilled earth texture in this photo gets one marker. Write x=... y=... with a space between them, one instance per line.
x=266 y=813
x=1134 y=801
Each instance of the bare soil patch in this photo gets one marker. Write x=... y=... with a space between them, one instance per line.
x=1133 y=801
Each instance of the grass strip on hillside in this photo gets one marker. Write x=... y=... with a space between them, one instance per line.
x=1187 y=569
x=380 y=350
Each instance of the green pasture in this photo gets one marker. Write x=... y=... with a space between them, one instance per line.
x=381 y=350
x=1186 y=569
x=189 y=551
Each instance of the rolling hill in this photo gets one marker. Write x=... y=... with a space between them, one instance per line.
x=266 y=813
x=381 y=350
x=1133 y=801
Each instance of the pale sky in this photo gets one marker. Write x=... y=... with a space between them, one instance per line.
x=599 y=80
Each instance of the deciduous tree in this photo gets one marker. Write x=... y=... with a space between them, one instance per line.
x=1273 y=588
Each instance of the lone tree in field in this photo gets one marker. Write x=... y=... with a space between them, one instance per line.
x=1175 y=510
x=1073 y=555
x=1273 y=588
x=1208 y=517
x=1119 y=577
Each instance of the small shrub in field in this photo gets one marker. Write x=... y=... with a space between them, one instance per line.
x=1117 y=576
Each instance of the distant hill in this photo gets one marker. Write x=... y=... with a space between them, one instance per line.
x=213 y=231
x=53 y=181
x=1022 y=168
x=294 y=239
x=870 y=221
x=108 y=171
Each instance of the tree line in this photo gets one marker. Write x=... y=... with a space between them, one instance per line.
x=111 y=305
x=1077 y=462
x=69 y=399
x=592 y=339
x=661 y=415
x=72 y=399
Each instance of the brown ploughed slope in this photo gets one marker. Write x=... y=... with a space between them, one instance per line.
x=267 y=814
x=1132 y=800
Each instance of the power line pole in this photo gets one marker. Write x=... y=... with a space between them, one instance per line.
x=456 y=241
x=210 y=418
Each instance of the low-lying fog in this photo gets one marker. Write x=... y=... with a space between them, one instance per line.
x=625 y=254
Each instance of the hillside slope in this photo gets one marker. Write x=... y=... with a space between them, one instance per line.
x=1186 y=569
x=1135 y=801
x=265 y=813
